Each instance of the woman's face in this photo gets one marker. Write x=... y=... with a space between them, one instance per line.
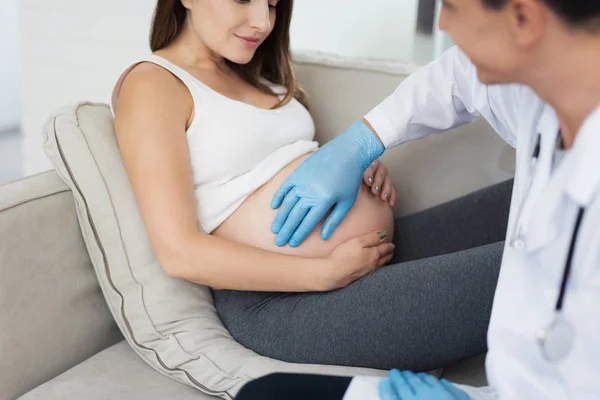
x=232 y=29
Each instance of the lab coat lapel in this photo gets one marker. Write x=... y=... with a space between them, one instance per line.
x=577 y=179
x=541 y=227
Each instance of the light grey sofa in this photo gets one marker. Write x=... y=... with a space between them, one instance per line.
x=58 y=339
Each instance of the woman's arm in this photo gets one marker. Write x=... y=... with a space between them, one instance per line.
x=223 y=264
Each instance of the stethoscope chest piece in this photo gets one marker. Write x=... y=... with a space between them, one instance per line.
x=557 y=339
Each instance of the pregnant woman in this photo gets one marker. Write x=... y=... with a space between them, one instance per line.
x=209 y=126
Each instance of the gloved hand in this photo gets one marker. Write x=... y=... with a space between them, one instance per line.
x=408 y=386
x=330 y=176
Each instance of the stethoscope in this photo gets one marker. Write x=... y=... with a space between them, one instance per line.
x=557 y=339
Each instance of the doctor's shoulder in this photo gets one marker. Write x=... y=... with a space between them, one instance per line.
x=518 y=110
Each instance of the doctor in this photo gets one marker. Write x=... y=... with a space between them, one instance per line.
x=531 y=68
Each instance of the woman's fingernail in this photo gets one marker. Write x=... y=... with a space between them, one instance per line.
x=377 y=188
x=370 y=180
x=386 y=195
x=382 y=234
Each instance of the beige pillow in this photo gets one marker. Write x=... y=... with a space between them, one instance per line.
x=170 y=323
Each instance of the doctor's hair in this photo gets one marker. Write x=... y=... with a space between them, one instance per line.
x=272 y=60
x=578 y=13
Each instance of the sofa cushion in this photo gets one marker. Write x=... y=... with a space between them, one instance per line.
x=170 y=323
x=115 y=373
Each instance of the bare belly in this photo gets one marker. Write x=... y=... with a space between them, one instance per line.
x=251 y=223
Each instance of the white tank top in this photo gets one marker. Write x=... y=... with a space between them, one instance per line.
x=235 y=147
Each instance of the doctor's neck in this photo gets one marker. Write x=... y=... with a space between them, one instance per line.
x=567 y=77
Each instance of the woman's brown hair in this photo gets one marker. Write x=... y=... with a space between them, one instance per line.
x=272 y=60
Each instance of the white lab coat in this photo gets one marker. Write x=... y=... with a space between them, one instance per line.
x=446 y=94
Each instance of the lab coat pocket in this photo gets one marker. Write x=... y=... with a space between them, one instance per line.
x=581 y=367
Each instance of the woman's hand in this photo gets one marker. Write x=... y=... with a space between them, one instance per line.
x=357 y=257
x=378 y=179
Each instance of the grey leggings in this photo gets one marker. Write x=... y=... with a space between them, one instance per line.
x=427 y=309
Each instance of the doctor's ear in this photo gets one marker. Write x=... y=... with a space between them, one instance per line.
x=187 y=3
x=529 y=20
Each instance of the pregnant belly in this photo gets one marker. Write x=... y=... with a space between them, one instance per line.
x=251 y=223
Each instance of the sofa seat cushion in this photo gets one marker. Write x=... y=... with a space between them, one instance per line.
x=115 y=373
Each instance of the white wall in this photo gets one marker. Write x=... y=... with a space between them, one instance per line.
x=74 y=50
x=376 y=29
x=9 y=64
x=356 y=28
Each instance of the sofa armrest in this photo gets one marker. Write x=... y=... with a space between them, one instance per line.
x=52 y=313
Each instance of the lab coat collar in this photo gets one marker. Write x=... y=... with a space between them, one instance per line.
x=577 y=177
x=548 y=123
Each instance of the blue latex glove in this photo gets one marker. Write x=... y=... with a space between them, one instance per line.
x=330 y=176
x=409 y=386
